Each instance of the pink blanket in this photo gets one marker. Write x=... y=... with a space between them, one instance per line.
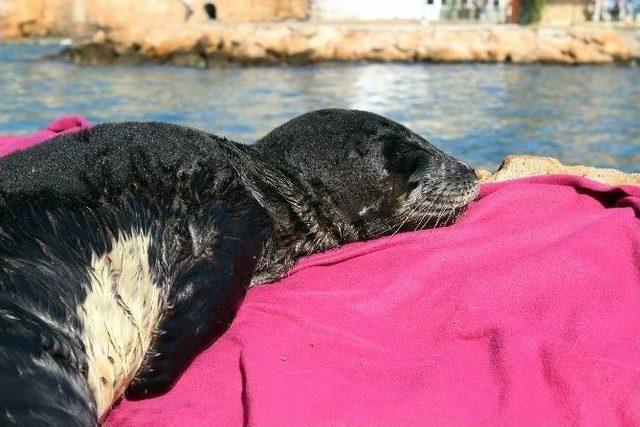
x=526 y=312
x=9 y=144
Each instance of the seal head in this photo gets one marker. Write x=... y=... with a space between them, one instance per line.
x=380 y=176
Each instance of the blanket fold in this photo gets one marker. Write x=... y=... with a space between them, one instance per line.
x=11 y=143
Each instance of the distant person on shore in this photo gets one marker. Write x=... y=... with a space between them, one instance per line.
x=614 y=10
x=188 y=9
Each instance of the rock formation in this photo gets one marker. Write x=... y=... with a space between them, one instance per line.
x=524 y=165
x=246 y=31
x=205 y=44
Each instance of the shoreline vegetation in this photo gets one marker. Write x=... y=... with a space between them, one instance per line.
x=295 y=43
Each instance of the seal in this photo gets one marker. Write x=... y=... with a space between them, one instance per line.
x=125 y=249
x=378 y=176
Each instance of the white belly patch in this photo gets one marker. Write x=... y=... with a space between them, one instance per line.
x=120 y=317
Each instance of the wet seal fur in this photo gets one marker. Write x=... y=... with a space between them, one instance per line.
x=125 y=249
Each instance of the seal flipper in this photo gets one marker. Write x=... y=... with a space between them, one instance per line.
x=203 y=303
x=204 y=296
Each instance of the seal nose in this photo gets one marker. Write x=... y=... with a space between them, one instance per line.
x=465 y=171
x=467 y=175
x=463 y=164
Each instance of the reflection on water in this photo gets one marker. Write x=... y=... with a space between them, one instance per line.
x=480 y=113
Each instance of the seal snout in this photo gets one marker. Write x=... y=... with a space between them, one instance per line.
x=448 y=188
x=467 y=178
x=467 y=171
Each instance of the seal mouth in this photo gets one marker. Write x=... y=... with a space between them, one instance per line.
x=436 y=206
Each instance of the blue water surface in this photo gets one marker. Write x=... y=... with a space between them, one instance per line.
x=479 y=113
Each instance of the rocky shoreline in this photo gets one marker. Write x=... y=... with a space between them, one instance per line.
x=203 y=45
x=522 y=166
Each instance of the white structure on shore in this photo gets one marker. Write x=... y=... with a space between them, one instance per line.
x=411 y=10
x=366 y=10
